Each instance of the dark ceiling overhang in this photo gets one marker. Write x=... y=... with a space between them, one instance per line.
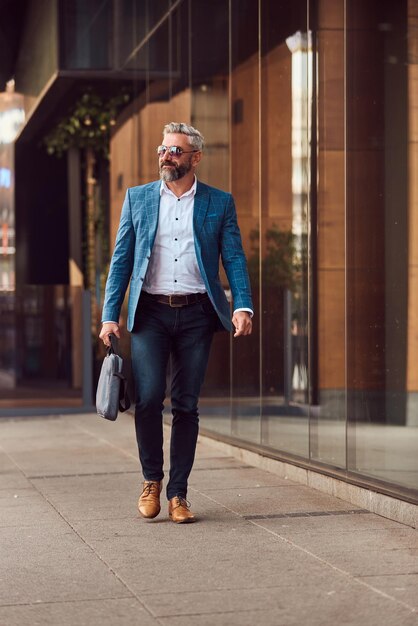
x=66 y=87
x=62 y=91
x=11 y=24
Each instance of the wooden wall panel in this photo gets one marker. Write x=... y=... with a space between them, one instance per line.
x=331 y=252
x=331 y=335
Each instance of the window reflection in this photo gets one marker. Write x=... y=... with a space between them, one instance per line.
x=381 y=240
x=245 y=186
x=283 y=245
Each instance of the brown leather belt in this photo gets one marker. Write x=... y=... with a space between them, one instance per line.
x=176 y=301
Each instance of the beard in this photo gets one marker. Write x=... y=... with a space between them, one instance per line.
x=175 y=172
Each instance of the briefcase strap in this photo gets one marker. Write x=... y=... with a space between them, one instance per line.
x=124 y=400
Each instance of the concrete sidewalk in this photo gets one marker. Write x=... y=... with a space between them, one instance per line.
x=265 y=551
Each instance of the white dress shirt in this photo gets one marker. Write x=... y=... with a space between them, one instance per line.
x=173 y=267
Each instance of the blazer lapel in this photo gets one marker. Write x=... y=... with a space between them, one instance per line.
x=201 y=203
x=152 y=208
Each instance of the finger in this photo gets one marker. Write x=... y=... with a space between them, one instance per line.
x=243 y=329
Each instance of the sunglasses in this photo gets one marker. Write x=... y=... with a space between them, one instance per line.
x=173 y=151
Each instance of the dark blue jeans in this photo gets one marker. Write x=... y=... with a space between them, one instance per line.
x=185 y=334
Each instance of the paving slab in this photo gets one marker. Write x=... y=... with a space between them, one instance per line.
x=234 y=478
x=49 y=446
x=288 y=498
x=26 y=509
x=374 y=562
x=333 y=611
x=92 y=496
x=10 y=475
x=106 y=612
x=403 y=587
x=49 y=563
x=286 y=604
x=78 y=459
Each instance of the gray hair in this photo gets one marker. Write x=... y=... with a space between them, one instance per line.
x=196 y=138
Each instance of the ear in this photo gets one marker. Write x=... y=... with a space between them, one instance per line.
x=196 y=158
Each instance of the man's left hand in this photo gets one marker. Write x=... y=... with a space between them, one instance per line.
x=243 y=323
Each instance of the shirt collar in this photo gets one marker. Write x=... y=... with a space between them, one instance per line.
x=191 y=191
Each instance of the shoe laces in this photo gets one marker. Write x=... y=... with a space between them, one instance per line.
x=150 y=489
x=180 y=501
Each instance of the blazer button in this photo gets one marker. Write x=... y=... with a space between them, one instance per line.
x=148 y=257
x=142 y=278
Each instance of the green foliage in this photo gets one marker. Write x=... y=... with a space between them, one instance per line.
x=87 y=125
x=280 y=263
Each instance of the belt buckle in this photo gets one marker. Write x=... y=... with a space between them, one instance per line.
x=174 y=306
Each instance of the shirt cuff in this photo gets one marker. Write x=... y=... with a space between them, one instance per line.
x=250 y=311
x=110 y=322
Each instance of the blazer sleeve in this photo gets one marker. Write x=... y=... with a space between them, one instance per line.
x=233 y=258
x=121 y=264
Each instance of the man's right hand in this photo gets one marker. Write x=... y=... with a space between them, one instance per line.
x=109 y=328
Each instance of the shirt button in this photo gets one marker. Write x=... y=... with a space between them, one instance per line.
x=177 y=219
x=175 y=259
x=175 y=238
x=175 y=281
x=178 y=199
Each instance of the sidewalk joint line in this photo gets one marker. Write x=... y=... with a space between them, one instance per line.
x=81 y=475
x=308 y=514
x=42 y=602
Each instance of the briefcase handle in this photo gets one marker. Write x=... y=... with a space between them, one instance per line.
x=113 y=348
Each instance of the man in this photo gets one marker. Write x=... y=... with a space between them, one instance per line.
x=171 y=235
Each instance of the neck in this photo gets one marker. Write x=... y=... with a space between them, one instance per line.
x=179 y=187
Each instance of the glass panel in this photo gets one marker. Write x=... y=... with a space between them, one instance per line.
x=382 y=280
x=245 y=186
x=86 y=34
x=282 y=240
x=328 y=418
x=37 y=61
x=210 y=114
x=43 y=325
x=134 y=22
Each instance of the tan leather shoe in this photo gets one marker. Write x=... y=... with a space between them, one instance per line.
x=149 y=500
x=179 y=510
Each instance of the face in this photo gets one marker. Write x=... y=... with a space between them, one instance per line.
x=175 y=167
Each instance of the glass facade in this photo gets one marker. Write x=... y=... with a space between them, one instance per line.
x=310 y=112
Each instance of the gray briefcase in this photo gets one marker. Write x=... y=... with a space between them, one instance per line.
x=112 y=388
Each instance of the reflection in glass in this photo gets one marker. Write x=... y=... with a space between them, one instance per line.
x=86 y=31
x=328 y=417
x=245 y=186
x=210 y=114
x=381 y=245
x=283 y=246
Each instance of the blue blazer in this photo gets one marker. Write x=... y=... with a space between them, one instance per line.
x=216 y=234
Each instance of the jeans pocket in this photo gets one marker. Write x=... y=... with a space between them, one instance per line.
x=206 y=307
